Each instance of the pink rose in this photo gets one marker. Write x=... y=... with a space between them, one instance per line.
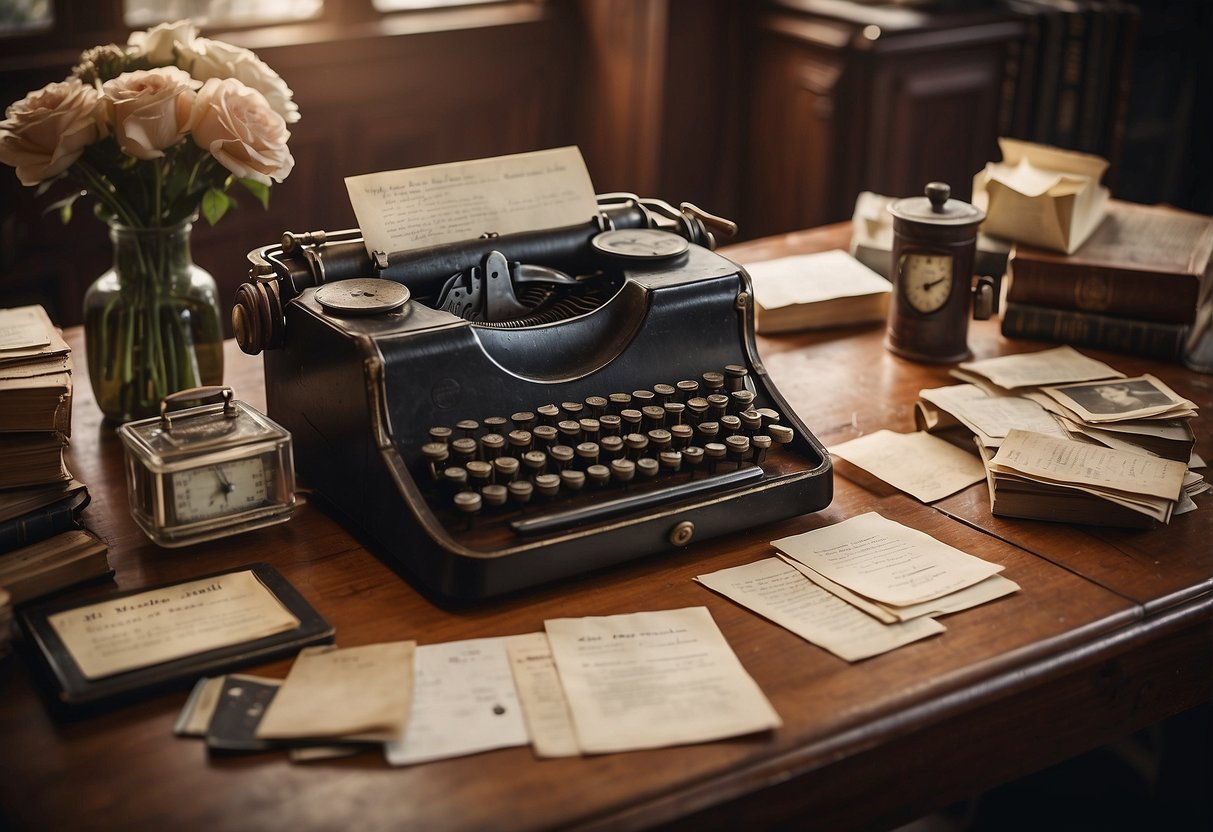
x=150 y=109
x=158 y=43
x=205 y=59
x=45 y=132
x=240 y=129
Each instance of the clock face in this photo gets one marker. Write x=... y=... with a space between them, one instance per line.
x=926 y=280
x=218 y=490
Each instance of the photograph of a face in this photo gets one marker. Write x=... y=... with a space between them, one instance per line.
x=1124 y=398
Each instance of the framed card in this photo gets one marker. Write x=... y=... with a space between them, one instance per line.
x=142 y=640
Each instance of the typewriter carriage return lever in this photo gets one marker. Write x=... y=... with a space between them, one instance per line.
x=539 y=405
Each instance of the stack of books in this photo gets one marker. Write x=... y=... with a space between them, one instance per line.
x=43 y=543
x=1134 y=286
x=1067 y=438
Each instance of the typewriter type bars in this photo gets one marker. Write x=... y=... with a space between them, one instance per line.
x=564 y=465
x=626 y=416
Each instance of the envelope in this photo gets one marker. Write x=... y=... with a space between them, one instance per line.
x=1040 y=195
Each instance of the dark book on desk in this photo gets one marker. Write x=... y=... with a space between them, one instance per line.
x=1144 y=262
x=1132 y=336
x=30 y=515
x=52 y=564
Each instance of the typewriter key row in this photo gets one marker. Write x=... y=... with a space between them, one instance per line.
x=669 y=434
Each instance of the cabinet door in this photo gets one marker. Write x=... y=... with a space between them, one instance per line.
x=932 y=116
x=793 y=150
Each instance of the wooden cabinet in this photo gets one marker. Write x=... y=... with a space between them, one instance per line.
x=877 y=100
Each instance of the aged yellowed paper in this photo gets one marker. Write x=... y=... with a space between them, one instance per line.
x=919 y=464
x=885 y=561
x=544 y=706
x=653 y=679
x=1059 y=365
x=352 y=693
x=164 y=624
x=464 y=702
x=1064 y=462
x=23 y=327
x=995 y=586
x=990 y=417
x=777 y=591
x=403 y=210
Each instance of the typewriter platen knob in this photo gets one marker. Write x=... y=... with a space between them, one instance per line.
x=644 y=244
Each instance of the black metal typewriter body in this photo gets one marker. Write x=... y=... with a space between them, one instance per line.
x=618 y=410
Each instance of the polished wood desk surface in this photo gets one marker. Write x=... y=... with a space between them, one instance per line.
x=1111 y=631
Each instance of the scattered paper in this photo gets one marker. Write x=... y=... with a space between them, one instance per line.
x=1060 y=365
x=990 y=417
x=886 y=561
x=654 y=679
x=777 y=591
x=919 y=464
x=544 y=706
x=404 y=210
x=352 y=693
x=979 y=593
x=463 y=703
x=164 y=624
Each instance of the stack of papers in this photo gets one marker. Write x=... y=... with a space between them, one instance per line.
x=862 y=587
x=1065 y=437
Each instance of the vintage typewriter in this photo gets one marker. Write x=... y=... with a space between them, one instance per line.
x=514 y=409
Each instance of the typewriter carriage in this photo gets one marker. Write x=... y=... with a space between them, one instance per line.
x=360 y=393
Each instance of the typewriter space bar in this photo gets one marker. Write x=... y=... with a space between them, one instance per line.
x=631 y=502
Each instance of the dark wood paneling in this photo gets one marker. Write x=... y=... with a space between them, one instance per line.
x=379 y=99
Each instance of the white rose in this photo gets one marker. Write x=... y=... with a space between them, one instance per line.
x=44 y=133
x=206 y=59
x=156 y=44
x=236 y=124
x=150 y=109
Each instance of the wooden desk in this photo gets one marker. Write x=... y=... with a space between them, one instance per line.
x=1111 y=632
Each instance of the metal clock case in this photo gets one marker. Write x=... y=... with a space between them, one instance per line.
x=208 y=471
x=934 y=244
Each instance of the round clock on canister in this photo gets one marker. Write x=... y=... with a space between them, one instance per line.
x=934 y=243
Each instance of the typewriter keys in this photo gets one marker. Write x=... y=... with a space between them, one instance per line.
x=641 y=244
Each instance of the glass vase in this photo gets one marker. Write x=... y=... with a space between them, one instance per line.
x=151 y=323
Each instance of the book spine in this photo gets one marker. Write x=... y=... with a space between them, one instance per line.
x=1105 y=290
x=22 y=531
x=1084 y=329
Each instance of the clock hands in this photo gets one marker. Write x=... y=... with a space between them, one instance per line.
x=933 y=283
x=225 y=485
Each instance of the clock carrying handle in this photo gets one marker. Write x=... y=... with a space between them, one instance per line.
x=200 y=395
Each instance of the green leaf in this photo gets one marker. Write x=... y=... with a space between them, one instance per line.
x=258 y=189
x=215 y=203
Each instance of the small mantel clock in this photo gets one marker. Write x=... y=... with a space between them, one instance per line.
x=934 y=243
x=209 y=471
